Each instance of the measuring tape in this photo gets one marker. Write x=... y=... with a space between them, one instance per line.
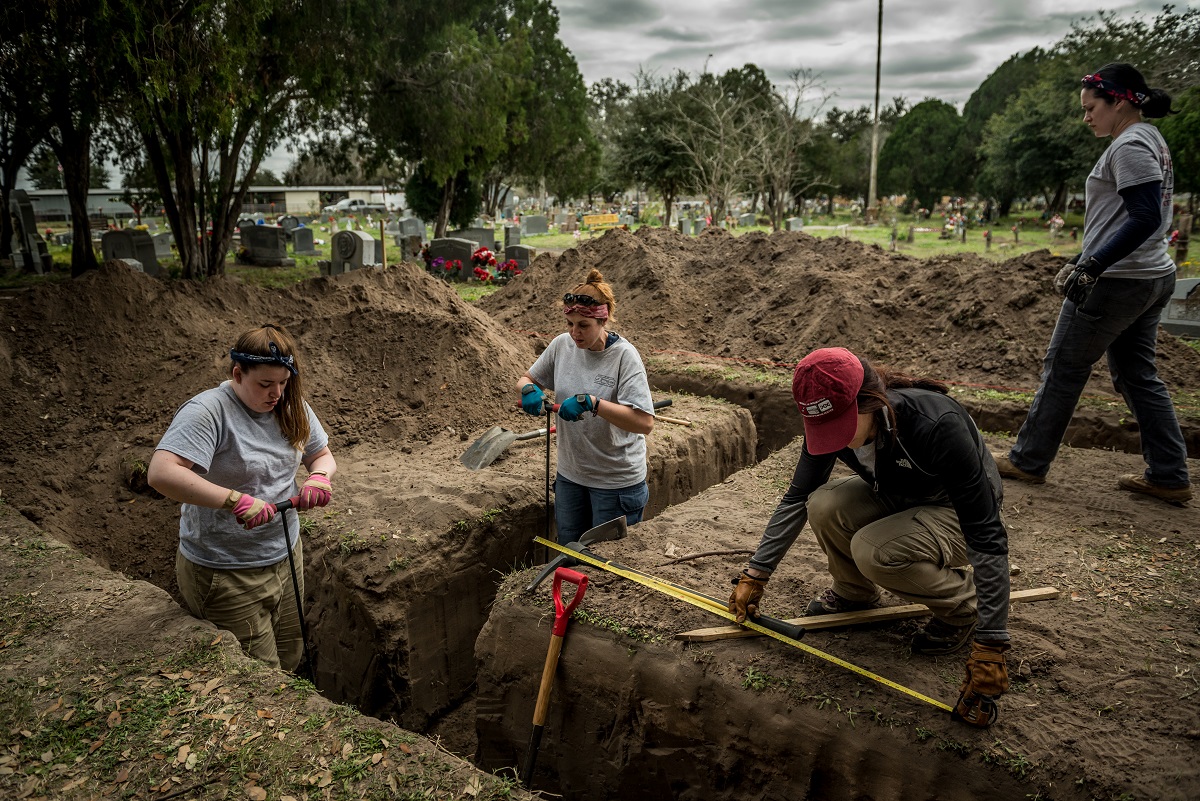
x=702 y=603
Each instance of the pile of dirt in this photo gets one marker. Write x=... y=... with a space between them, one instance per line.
x=776 y=297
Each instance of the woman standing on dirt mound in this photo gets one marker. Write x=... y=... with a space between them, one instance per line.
x=1115 y=292
x=923 y=506
x=601 y=455
x=228 y=451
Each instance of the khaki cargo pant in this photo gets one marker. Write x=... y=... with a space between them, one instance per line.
x=257 y=604
x=918 y=553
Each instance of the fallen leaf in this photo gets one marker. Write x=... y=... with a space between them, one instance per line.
x=347 y=749
x=72 y=785
x=122 y=775
x=114 y=719
x=287 y=798
x=216 y=641
x=256 y=793
x=405 y=748
x=325 y=780
x=375 y=758
x=96 y=744
x=263 y=713
x=191 y=761
x=47 y=756
x=182 y=755
x=212 y=685
x=473 y=785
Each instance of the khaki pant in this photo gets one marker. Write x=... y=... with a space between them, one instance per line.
x=917 y=553
x=257 y=604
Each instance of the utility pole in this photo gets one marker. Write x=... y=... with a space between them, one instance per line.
x=872 y=202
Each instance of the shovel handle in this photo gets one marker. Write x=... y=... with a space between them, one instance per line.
x=562 y=613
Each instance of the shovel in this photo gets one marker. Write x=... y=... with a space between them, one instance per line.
x=492 y=443
x=562 y=616
x=614 y=529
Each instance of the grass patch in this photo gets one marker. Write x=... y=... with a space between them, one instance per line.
x=615 y=626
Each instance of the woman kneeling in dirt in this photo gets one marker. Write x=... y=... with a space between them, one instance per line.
x=602 y=455
x=924 y=505
x=227 y=451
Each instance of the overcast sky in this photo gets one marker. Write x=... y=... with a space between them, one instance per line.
x=930 y=49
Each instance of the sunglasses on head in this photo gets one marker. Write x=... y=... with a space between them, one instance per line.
x=571 y=299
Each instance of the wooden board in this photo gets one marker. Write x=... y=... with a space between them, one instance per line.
x=593 y=220
x=877 y=615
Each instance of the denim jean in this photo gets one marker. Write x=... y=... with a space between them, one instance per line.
x=1120 y=319
x=578 y=508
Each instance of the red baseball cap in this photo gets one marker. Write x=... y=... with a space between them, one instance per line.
x=825 y=387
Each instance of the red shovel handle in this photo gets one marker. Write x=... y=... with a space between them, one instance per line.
x=562 y=614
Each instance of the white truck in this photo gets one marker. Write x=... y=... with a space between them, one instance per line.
x=354 y=205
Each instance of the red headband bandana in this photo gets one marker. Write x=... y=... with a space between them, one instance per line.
x=1109 y=88
x=595 y=312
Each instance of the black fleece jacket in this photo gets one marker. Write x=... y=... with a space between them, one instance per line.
x=935 y=457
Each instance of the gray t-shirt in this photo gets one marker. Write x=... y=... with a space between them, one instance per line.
x=235 y=447
x=1138 y=156
x=592 y=451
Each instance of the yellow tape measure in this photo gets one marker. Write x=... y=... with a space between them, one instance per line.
x=697 y=601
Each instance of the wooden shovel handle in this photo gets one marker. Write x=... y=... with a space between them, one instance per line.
x=679 y=421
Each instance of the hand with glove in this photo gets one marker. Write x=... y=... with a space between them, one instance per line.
x=533 y=399
x=987 y=680
x=252 y=512
x=1060 y=280
x=747 y=592
x=317 y=491
x=572 y=408
x=1082 y=280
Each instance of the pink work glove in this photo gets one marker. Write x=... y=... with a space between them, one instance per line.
x=317 y=491
x=253 y=512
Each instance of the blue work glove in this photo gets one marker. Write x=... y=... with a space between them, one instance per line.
x=533 y=399
x=573 y=407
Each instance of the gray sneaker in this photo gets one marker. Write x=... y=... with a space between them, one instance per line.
x=1136 y=483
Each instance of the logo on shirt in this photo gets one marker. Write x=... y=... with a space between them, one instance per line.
x=605 y=381
x=907 y=465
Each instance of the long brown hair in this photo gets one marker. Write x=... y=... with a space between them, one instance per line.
x=293 y=420
x=596 y=287
x=872 y=396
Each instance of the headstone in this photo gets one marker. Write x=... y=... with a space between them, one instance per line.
x=132 y=264
x=698 y=226
x=794 y=224
x=911 y=237
x=453 y=249
x=302 y=242
x=685 y=226
x=483 y=237
x=64 y=239
x=512 y=236
x=1181 y=316
x=391 y=228
x=265 y=246
x=629 y=220
x=162 y=245
x=745 y=220
x=29 y=249
x=351 y=250
x=130 y=243
x=289 y=223
x=509 y=212
x=534 y=224
x=521 y=254
x=411 y=226
x=560 y=218
x=151 y=226
x=478 y=223
x=409 y=247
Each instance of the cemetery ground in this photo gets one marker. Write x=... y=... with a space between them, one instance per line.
x=415 y=573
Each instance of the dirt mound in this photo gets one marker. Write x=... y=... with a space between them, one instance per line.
x=776 y=297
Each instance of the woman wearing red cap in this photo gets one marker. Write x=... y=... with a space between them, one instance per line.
x=607 y=404
x=922 y=509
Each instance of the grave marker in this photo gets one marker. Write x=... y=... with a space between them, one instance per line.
x=534 y=224
x=303 y=243
x=454 y=249
x=265 y=246
x=521 y=254
x=512 y=236
x=29 y=249
x=130 y=243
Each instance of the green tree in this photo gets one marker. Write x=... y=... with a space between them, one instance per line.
x=44 y=173
x=139 y=189
x=923 y=157
x=1182 y=132
x=645 y=146
x=607 y=117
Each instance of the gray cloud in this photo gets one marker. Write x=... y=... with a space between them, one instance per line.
x=610 y=14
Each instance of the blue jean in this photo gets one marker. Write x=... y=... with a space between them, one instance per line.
x=578 y=508
x=1120 y=319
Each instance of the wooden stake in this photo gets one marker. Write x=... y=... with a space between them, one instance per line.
x=838 y=619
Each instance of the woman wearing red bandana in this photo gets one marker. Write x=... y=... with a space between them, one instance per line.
x=1115 y=292
x=228 y=454
x=605 y=402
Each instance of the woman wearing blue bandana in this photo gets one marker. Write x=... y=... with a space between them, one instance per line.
x=606 y=405
x=1115 y=292
x=230 y=452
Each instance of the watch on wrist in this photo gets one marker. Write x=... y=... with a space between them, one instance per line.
x=596 y=408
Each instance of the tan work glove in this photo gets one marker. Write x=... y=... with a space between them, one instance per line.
x=987 y=680
x=747 y=592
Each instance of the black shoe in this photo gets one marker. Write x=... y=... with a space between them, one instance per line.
x=829 y=602
x=940 y=637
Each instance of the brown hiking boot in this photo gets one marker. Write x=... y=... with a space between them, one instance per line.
x=939 y=637
x=1135 y=483
x=1010 y=470
x=829 y=602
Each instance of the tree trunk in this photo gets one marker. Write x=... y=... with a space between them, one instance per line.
x=1059 y=203
x=6 y=226
x=74 y=154
x=443 y=214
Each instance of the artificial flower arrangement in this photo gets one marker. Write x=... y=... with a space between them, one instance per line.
x=508 y=269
